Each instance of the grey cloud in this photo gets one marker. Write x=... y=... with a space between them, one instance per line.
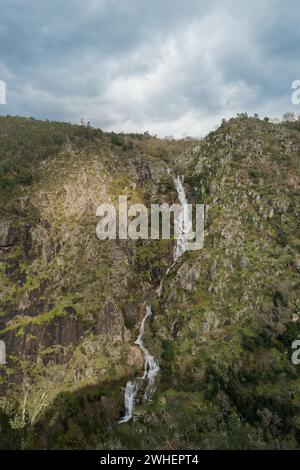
x=169 y=66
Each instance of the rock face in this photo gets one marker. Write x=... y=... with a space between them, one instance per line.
x=8 y=233
x=64 y=331
x=188 y=277
x=111 y=324
x=41 y=241
x=223 y=328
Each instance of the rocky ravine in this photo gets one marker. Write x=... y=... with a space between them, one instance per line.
x=71 y=305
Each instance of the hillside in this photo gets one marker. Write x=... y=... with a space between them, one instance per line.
x=71 y=305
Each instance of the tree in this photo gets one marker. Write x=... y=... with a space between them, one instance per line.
x=289 y=117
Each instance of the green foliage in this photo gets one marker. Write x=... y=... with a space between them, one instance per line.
x=256 y=173
x=117 y=139
x=25 y=143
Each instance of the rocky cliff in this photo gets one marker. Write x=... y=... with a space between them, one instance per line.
x=71 y=305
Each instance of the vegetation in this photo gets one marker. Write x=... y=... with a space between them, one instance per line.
x=71 y=306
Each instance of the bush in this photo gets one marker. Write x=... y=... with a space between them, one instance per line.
x=117 y=139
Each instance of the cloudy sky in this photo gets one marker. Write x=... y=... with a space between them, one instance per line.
x=167 y=66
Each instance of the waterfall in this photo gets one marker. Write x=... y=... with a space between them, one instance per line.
x=129 y=400
x=182 y=227
x=151 y=369
x=183 y=223
x=159 y=289
x=151 y=365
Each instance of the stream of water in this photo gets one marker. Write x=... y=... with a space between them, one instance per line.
x=151 y=368
x=183 y=223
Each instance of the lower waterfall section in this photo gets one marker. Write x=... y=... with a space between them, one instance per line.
x=129 y=400
x=151 y=369
x=151 y=365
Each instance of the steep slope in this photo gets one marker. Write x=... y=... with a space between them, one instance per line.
x=71 y=306
x=230 y=313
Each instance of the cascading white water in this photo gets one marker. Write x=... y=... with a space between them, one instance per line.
x=129 y=400
x=183 y=226
x=151 y=369
x=183 y=223
x=151 y=365
x=159 y=289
